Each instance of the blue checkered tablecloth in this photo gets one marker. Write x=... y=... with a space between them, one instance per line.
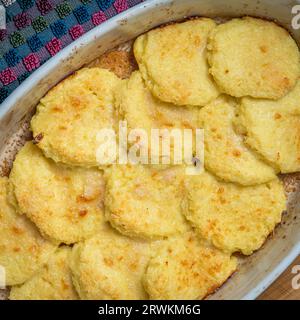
x=37 y=30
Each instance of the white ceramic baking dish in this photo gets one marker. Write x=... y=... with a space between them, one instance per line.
x=261 y=269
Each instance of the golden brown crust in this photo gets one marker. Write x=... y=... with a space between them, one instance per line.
x=232 y=217
x=121 y=63
x=23 y=251
x=52 y=282
x=65 y=203
x=226 y=154
x=185 y=268
x=110 y=266
x=70 y=116
x=271 y=129
x=143 y=202
x=253 y=57
x=174 y=65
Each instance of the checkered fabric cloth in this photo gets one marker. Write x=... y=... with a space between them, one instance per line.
x=37 y=30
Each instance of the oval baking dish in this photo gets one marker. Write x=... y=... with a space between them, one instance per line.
x=257 y=272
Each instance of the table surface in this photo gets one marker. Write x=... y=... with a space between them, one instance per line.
x=282 y=289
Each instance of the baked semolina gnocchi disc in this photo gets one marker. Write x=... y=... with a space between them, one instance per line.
x=110 y=266
x=173 y=62
x=136 y=105
x=226 y=154
x=52 y=282
x=253 y=57
x=145 y=202
x=70 y=116
x=23 y=251
x=232 y=217
x=141 y=110
x=66 y=204
x=272 y=129
x=184 y=268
